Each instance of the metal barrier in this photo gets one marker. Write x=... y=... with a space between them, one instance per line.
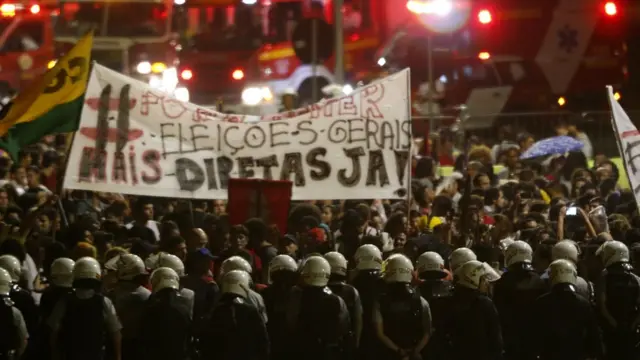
x=595 y=124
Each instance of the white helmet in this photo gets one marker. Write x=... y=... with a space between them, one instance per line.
x=563 y=271
x=315 y=271
x=460 y=256
x=87 y=268
x=163 y=278
x=472 y=273
x=62 y=272
x=430 y=261
x=112 y=264
x=398 y=269
x=368 y=257
x=235 y=263
x=170 y=261
x=129 y=266
x=282 y=263
x=613 y=252
x=565 y=249
x=236 y=282
x=12 y=265
x=338 y=263
x=5 y=282
x=518 y=252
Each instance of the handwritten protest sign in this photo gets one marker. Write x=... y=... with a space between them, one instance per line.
x=136 y=140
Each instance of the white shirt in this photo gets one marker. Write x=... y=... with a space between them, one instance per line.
x=152 y=225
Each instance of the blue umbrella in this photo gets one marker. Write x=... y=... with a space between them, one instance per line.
x=551 y=146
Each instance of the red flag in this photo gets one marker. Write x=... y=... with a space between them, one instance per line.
x=266 y=199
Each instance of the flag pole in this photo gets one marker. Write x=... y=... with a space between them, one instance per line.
x=617 y=137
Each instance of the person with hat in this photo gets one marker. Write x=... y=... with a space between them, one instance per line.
x=338 y=285
x=83 y=322
x=129 y=297
x=165 y=330
x=235 y=328
x=288 y=99
x=13 y=341
x=199 y=279
x=437 y=291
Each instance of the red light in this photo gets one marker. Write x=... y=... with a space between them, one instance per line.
x=484 y=16
x=237 y=74
x=186 y=74
x=610 y=8
x=35 y=9
x=484 y=55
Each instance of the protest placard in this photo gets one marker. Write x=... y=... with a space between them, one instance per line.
x=134 y=139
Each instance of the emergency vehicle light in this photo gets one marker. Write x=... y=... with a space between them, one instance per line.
x=35 y=9
x=186 y=74
x=484 y=17
x=561 y=101
x=433 y=7
x=237 y=74
x=610 y=8
x=484 y=55
x=8 y=10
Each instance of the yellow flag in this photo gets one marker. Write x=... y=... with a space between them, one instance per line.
x=65 y=82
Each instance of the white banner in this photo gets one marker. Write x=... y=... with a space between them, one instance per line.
x=629 y=143
x=137 y=140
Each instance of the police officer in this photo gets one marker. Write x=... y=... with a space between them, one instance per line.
x=564 y=324
x=60 y=286
x=460 y=256
x=367 y=280
x=283 y=276
x=173 y=262
x=473 y=324
x=514 y=294
x=21 y=297
x=239 y=263
x=437 y=291
x=618 y=302
x=318 y=320
x=166 y=322
x=338 y=285
x=402 y=318
x=83 y=322
x=129 y=297
x=13 y=340
x=236 y=329
x=568 y=250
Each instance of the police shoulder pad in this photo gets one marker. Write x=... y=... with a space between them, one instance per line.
x=8 y=301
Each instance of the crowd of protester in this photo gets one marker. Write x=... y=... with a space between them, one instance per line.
x=533 y=262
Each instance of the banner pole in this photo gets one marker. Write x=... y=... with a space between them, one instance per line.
x=410 y=162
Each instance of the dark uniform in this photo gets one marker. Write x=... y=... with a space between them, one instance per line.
x=83 y=321
x=438 y=294
x=166 y=326
x=564 y=326
x=618 y=304
x=23 y=300
x=236 y=331
x=351 y=298
x=50 y=297
x=513 y=295
x=369 y=286
x=473 y=326
x=318 y=323
x=12 y=328
x=276 y=301
x=405 y=317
